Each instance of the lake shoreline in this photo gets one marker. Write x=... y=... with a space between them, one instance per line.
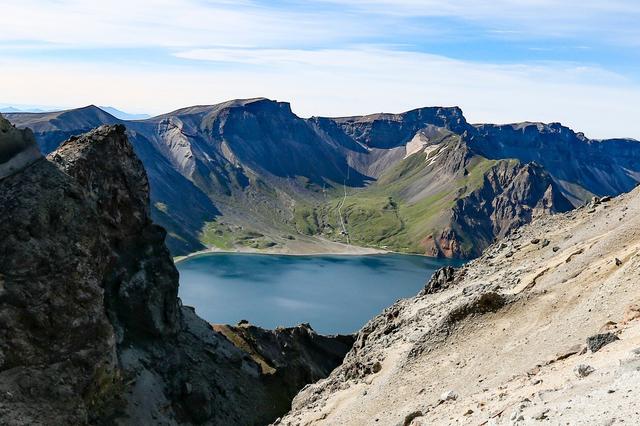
x=351 y=251
x=335 y=293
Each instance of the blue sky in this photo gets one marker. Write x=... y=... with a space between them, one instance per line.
x=572 y=61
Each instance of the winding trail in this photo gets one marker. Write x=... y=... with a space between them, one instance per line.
x=344 y=186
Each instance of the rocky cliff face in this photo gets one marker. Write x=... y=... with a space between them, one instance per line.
x=511 y=195
x=57 y=343
x=543 y=327
x=92 y=328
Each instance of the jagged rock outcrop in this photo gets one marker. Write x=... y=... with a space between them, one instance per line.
x=441 y=280
x=511 y=195
x=140 y=287
x=295 y=356
x=91 y=328
x=505 y=338
x=56 y=342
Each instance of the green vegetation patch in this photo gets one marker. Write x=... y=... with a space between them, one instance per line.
x=227 y=236
x=306 y=220
x=379 y=216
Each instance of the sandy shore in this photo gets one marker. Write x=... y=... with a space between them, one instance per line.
x=315 y=248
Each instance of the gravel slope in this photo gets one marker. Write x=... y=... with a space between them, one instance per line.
x=501 y=340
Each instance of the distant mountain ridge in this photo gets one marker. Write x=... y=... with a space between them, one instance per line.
x=122 y=115
x=251 y=173
x=110 y=110
x=10 y=109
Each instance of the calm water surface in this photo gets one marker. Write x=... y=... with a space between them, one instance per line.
x=335 y=294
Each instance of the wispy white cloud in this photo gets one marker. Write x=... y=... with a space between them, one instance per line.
x=376 y=62
x=165 y=23
x=260 y=23
x=612 y=20
x=553 y=9
x=346 y=82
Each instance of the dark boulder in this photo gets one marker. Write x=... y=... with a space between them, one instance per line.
x=598 y=341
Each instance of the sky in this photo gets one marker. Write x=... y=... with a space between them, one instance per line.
x=570 y=61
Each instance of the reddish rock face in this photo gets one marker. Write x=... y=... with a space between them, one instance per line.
x=449 y=245
x=512 y=194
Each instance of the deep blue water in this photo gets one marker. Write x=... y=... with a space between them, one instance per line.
x=335 y=294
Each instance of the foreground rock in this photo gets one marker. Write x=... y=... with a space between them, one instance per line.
x=507 y=334
x=91 y=328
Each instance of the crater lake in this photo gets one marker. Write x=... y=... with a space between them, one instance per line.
x=333 y=293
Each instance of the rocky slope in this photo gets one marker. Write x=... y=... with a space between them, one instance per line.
x=543 y=327
x=442 y=200
x=168 y=186
x=91 y=328
x=511 y=195
x=250 y=174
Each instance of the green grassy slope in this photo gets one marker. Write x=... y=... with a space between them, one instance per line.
x=381 y=215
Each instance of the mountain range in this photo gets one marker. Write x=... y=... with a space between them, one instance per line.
x=250 y=173
x=10 y=109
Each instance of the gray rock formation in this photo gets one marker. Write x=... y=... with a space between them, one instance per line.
x=91 y=328
x=440 y=280
x=57 y=344
x=599 y=341
x=511 y=195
